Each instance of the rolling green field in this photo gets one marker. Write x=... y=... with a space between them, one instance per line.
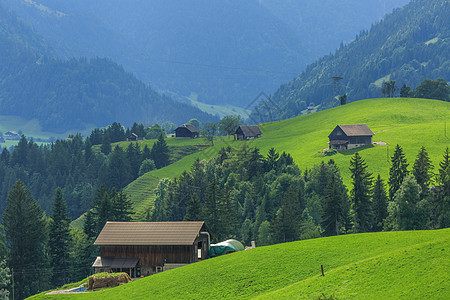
x=385 y=265
x=412 y=123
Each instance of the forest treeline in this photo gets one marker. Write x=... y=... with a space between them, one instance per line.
x=408 y=45
x=248 y=196
x=78 y=168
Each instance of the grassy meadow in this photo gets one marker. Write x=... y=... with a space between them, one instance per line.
x=411 y=123
x=384 y=265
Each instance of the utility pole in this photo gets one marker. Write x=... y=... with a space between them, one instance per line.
x=337 y=87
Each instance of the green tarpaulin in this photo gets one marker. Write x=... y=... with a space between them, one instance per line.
x=225 y=247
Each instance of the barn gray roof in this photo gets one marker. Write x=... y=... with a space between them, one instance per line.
x=250 y=130
x=148 y=233
x=356 y=129
x=189 y=127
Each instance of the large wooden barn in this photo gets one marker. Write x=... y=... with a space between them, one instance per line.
x=345 y=137
x=187 y=131
x=145 y=248
x=248 y=132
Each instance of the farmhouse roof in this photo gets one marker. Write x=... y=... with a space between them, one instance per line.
x=189 y=127
x=115 y=262
x=149 y=233
x=356 y=130
x=250 y=130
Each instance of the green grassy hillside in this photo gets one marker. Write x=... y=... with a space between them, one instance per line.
x=412 y=123
x=389 y=265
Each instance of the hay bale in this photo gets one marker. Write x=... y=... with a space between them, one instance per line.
x=104 y=280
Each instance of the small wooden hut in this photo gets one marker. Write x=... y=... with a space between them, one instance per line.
x=345 y=137
x=248 y=132
x=145 y=248
x=187 y=131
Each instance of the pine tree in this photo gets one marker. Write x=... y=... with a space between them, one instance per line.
x=379 y=200
x=422 y=171
x=160 y=153
x=122 y=208
x=89 y=226
x=106 y=144
x=286 y=225
x=334 y=208
x=397 y=172
x=59 y=240
x=118 y=169
x=361 y=194
x=26 y=234
x=272 y=159
x=211 y=208
x=193 y=210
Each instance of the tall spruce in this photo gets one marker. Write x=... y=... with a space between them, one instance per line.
x=193 y=209
x=334 y=207
x=423 y=171
x=26 y=235
x=160 y=152
x=286 y=225
x=59 y=240
x=398 y=171
x=380 y=202
x=361 y=194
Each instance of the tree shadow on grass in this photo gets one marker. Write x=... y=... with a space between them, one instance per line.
x=353 y=151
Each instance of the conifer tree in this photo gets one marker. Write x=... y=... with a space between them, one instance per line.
x=380 y=201
x=272 y=159
x=211 y=207
x=89 y=226
x=118 y=169
x=106 y=144
x=160 y=153
x=122 y=208
x=361 y=194
x=26 y=235
x=397 y=172
x=286 y=225
x=193 y=209
x=422 y=171
x=334 y=208
x=59 y=240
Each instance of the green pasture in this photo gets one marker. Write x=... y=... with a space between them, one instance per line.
x=411 y=123
x=384 y=265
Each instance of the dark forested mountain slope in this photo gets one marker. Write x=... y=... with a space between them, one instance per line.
x=323 y=25
x=68 y=95
x=225 y=51
x=409 y=45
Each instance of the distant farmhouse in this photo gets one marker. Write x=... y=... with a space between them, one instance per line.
x=145 y=248
x=132 y=137
x=345 y=137
x=187 y=131
x=248 y=132
x=11 y=135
